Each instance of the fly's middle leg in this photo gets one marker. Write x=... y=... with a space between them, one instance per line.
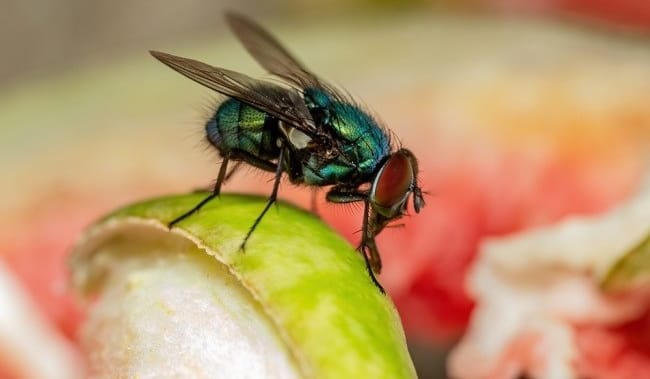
x=272 y=198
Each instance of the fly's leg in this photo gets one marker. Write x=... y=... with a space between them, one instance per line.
x=232 y=171
x=342 y=195
x=368 y=247
x=242 y=156
x=215 y=193
x=269 y=202
x=225 y=179
x=375 y=258
x=223 y=176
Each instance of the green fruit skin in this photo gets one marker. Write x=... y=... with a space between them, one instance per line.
x=311 y=282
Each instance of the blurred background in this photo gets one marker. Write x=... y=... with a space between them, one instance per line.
x=520 y=112
x=42 y=38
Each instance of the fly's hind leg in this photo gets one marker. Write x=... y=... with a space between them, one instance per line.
x=215 y=192
x=230 y=173
x=224 y=175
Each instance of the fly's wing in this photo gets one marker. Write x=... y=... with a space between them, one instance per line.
x=269 y=53
x=277 y=60
x=282 y=103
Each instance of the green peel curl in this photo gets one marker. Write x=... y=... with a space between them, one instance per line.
x=307 y=283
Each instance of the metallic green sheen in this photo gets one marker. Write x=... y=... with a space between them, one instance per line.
x=364 y=144
x=314 y=173
x=238 y=126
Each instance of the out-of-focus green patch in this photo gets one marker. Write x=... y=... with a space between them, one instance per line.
x=632 y=270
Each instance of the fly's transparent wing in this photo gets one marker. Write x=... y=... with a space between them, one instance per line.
x=283 y=103
x=270 y=53
x=276 y=59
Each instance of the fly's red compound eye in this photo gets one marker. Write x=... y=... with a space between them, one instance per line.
x=392 y=186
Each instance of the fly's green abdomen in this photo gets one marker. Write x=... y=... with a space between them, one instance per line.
x=238 y=126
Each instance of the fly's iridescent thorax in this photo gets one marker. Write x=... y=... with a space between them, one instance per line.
x=356 y=147
x=237 y=126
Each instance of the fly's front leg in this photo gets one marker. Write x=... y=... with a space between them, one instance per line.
x=375 y=258
x=342 y=195
x=367 y=248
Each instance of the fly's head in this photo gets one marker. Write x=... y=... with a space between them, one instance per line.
x=395 y=182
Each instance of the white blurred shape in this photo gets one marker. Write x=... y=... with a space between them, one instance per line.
x=532 y=289
x=180 y=314
x=29 y=344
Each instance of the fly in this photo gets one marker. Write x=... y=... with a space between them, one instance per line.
x=307 y=130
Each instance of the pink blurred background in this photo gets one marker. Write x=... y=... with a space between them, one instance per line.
x=479 y=90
